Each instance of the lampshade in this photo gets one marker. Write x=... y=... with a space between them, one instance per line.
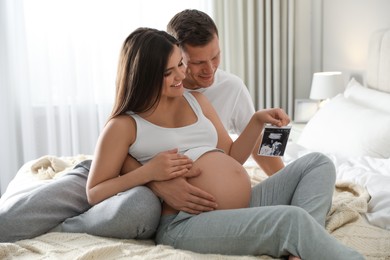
x=326 y=85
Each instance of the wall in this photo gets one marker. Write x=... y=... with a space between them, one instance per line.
x=334 y=35
x=346 y=39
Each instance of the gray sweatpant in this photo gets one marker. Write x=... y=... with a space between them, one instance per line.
x=62 y=205
x=286 y=216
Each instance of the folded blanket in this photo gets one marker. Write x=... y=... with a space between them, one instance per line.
x=349 y=202
x=346 y=222
x=50 y=167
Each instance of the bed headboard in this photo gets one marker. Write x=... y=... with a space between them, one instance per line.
x=378 y=66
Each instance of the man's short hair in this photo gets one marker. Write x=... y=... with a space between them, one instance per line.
x=192 y=27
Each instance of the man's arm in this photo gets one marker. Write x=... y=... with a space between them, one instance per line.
x=181 y=195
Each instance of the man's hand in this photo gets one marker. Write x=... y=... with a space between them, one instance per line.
x=181 y=195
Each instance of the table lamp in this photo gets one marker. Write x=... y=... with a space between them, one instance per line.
x=326 y=85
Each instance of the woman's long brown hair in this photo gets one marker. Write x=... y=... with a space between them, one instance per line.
x=142 y=62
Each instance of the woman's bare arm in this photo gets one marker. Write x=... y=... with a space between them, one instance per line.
x=106 y=177
x=243 y=146
x=270 y=165
x=252 y=132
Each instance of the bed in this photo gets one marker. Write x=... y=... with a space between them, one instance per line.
x=354 y=132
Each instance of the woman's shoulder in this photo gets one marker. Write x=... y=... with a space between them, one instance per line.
x=123 y=125
x=197 y=96
x=203 y=102
x=124 y=119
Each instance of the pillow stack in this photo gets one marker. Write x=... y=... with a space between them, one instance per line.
x=355 y=123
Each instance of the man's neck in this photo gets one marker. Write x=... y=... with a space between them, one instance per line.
x=190 y=85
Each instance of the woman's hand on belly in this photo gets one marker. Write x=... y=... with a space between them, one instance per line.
x=167 y=165
x=181 y=195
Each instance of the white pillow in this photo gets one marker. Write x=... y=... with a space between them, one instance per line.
x=367 y=97
x=346 y=128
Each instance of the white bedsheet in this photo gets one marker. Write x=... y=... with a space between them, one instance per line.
x=374 y=174
x=371 y=173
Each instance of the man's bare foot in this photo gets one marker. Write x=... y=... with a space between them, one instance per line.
x=291 y=257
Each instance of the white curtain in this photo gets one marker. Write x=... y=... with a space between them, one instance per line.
x=58 y=62
x=258 y=45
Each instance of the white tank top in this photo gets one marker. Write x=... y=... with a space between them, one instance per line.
x=192 y=140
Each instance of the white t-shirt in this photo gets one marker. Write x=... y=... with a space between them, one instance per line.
x=231 y=99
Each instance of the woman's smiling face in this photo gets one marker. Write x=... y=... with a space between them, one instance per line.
x=174 y=75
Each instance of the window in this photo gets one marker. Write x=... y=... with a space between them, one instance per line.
x=73 y=46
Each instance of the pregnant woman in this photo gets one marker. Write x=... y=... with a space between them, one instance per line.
x=173 y=134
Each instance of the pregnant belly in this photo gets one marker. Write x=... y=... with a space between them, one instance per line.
x=224 y=178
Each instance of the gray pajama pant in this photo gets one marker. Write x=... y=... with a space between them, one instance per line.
x=286 y=216
x=62 y=206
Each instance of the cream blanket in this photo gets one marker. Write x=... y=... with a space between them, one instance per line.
x=344 y=222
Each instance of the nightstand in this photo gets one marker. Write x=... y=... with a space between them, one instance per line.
x=296 y=131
